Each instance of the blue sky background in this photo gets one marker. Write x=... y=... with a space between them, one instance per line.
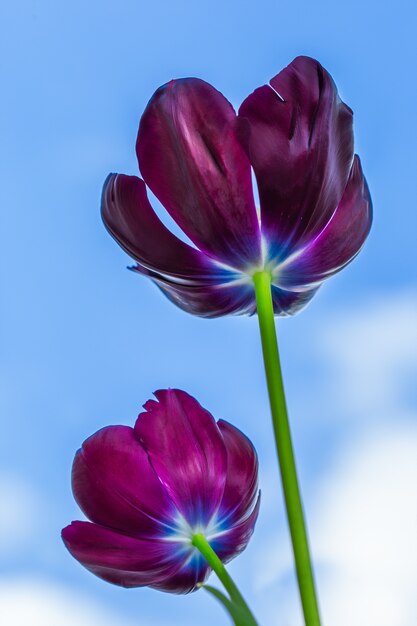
x=84 y=342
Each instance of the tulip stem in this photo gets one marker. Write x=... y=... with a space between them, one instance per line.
x=292 y=496
x=200 y=542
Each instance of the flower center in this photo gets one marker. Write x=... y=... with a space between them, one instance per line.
x=182 y=531
x=268 y=263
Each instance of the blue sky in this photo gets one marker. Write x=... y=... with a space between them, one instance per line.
x=84 y=342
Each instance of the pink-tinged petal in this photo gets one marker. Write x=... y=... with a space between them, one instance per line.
x=339 y=242
x=187 y=452
x=120 y=559
x=130 y=219
x=241 y=488
x=190 y=158
x=298 y=136
x=233 y=541
x=116 y=486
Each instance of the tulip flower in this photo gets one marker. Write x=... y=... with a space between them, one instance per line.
x=195 y=154
x=158 y=492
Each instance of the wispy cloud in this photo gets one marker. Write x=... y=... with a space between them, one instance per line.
x=364 y=535
x=363 y=510
x=365 y=532
x=371 y=354
x=30 y=602
x=20 y=512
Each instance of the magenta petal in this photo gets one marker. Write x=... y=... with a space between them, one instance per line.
x=339 y=242
x=298 y=136
x=187 y=452
x=115 y=484
x=120 y=559
x=241 y=487
x=234 y=541
x=191 y=159
x=131 y=220
x=186 y=578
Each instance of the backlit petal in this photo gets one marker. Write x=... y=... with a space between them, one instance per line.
x=187 y=452
x=191 y=159
x=339 y=242
x=186 y=578
x=228 y=545
x=115 y=484
x=206 y=298
x=120 y=559
x=241 y=487
x=298 y=136
x=131 y=220
x=210 y=300
x=289 y=302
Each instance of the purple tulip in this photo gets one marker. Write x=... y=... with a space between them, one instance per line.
x=195 y=154
x=149 y=489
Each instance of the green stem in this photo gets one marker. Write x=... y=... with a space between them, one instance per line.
x=201 y=543
x=292 y=496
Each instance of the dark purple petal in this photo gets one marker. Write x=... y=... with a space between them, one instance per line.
x=187 y=452
x=214 y=300
x=298 y=136
x=120 y=559
x=206 y=299
x=191 y=159
x=115 y=484
x=242 y=474
x=288 y=302
x=234 y=541
x=339 y=242
x=131 y=220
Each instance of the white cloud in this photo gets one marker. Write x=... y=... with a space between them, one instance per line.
x=27 y=602
x=364 y=534
x=20 y=512
x=372 y=350
x=366 y=528
x=363 y=514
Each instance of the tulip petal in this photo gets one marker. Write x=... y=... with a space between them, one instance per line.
x=206 y=299
x=233 y=541
x=186 y=578
x=131 y=220
x=339 y=242
x=242 y=474
x=115 y=485
x=289 y=302
x=191 y=159
x=214 y=300
x=120 y=559
x=298 y=136
x=187 y=452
